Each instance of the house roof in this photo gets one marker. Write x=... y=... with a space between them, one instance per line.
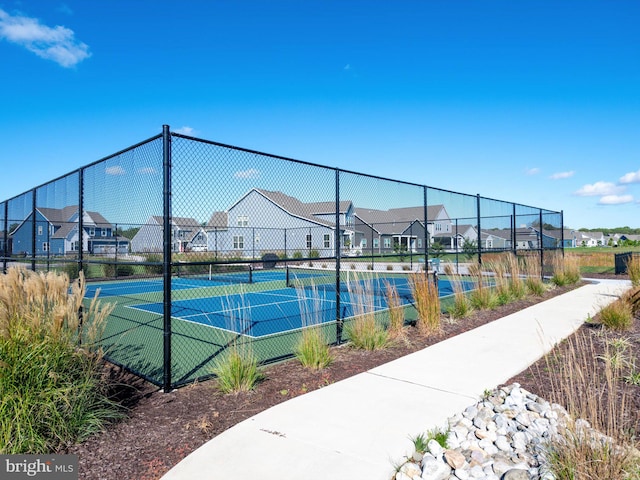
x=293 y=206
x=462 y=229
x=396 y=220
x=183 y=223
x=218 y=220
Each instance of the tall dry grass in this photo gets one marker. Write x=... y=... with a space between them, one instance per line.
x=533 y=275
x=427 y=302
x=461 y=307
x=396 y=312
x=236 y=368
x=588 y=385
x=364 y=330
x=52 y=392
x=312 y=349
x=566 y=269
x=633 y=269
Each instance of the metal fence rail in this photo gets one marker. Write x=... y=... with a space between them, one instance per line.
x=177 y=231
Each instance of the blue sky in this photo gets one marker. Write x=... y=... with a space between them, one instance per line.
x=536 y=102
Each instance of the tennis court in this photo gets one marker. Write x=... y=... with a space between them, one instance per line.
x=309 y=299
x=209 y=314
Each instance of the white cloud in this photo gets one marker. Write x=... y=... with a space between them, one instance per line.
x=58 y=43
x=250 y=173
x=532 y=171
x=66 y=9
x=561 y=175
x=185 y=130
x=147 y=170
x=599 y=189
x=615 y=199
x=115 y=170
x=631 y=177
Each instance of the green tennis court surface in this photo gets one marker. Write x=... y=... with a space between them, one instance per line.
x=210 y=315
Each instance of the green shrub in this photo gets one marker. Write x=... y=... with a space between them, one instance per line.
x=157 y=259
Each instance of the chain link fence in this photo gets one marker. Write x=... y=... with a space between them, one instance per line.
x=196 y=244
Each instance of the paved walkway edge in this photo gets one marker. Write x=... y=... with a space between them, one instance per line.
x=361 y=427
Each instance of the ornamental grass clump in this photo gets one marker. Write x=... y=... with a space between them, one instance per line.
x=483 y=297
x=502 y=291
x=52 y=392
x=566 y=270
x=396 y=312
x=427 y=302
x=633 y=269
x=312 y=349
x=460 y=307
x=517 y=286
x=618 y=315
x=533 y=276
x=365 y=331
x=236 y=367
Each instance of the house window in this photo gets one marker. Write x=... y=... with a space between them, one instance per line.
x=45 y=246
x=92 y=232
x=376 y=242
x=74 y=246
x=238 y=242
x=419 y=243
x=309 y=241
x=387 y=243
x=104 y=232
x=363 y=243
x=243 y=221
x=39 y=229
x=327 y=240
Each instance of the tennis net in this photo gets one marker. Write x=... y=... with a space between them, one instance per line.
x=377 y=282
x=217 y=272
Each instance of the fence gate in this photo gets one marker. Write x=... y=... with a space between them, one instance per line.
x=621 y=260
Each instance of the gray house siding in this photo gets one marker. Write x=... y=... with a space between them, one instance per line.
x=257 y=225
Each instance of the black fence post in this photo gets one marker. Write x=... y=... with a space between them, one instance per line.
x=562 y=231
x=336 y=242
x=514 y=239
x=34 y=226
x=541 y=247
x=80 y=220
x=479 y=231
x=166 y=261
x=426 y=229
x=5 y=243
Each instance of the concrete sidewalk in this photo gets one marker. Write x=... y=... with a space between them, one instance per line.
x=360 y=428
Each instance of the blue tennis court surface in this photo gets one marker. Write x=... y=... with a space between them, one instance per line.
x=124 y=288
x=258 y=314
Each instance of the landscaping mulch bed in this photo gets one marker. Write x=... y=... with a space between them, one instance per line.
x=162 y=428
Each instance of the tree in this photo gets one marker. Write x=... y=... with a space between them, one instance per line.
x=469 y=248
x=437 y=250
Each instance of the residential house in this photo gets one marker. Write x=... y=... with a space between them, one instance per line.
x=187 y=235
x=385 y=231
x=56 y=233
x=264 y=221
x=588 y=239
